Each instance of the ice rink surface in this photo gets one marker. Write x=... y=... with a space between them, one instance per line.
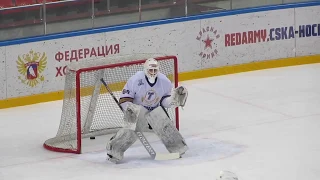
x=261 y=125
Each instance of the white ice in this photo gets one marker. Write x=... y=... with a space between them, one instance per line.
x=261 y=125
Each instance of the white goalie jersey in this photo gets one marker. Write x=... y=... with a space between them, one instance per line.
x=140 y=91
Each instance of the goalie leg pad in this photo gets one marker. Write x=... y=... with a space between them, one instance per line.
x=166 y=131
x=119 y=143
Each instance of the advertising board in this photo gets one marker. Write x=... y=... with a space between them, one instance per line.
x=204 y=43
x=307 y=25
x=3 y=80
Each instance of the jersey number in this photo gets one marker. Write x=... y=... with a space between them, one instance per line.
x=125 y=91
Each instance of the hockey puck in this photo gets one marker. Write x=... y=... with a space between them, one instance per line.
x=92 y=137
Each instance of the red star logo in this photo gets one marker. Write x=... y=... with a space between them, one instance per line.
x=207 y=42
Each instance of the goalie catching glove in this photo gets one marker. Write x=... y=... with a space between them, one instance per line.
x=178 y=98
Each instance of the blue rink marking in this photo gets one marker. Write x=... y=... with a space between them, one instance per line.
x=200 y=150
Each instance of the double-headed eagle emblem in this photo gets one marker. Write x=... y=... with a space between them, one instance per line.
x=30 y=66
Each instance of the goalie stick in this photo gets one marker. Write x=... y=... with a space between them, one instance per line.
x=142 y=138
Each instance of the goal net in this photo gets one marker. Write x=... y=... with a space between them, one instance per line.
x=88 y=109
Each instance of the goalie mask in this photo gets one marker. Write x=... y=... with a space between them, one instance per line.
x=151 y=69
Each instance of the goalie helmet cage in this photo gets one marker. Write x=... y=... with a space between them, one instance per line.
x=89 y=110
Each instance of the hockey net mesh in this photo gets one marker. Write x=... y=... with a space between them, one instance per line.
x=99 y=113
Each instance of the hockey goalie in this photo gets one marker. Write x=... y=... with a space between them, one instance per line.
x=143 y=101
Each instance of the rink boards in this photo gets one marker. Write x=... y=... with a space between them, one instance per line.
x=32 y=70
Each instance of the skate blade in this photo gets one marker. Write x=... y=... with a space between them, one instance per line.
x=168 y=156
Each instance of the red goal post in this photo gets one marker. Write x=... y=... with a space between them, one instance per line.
x=89 y=110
